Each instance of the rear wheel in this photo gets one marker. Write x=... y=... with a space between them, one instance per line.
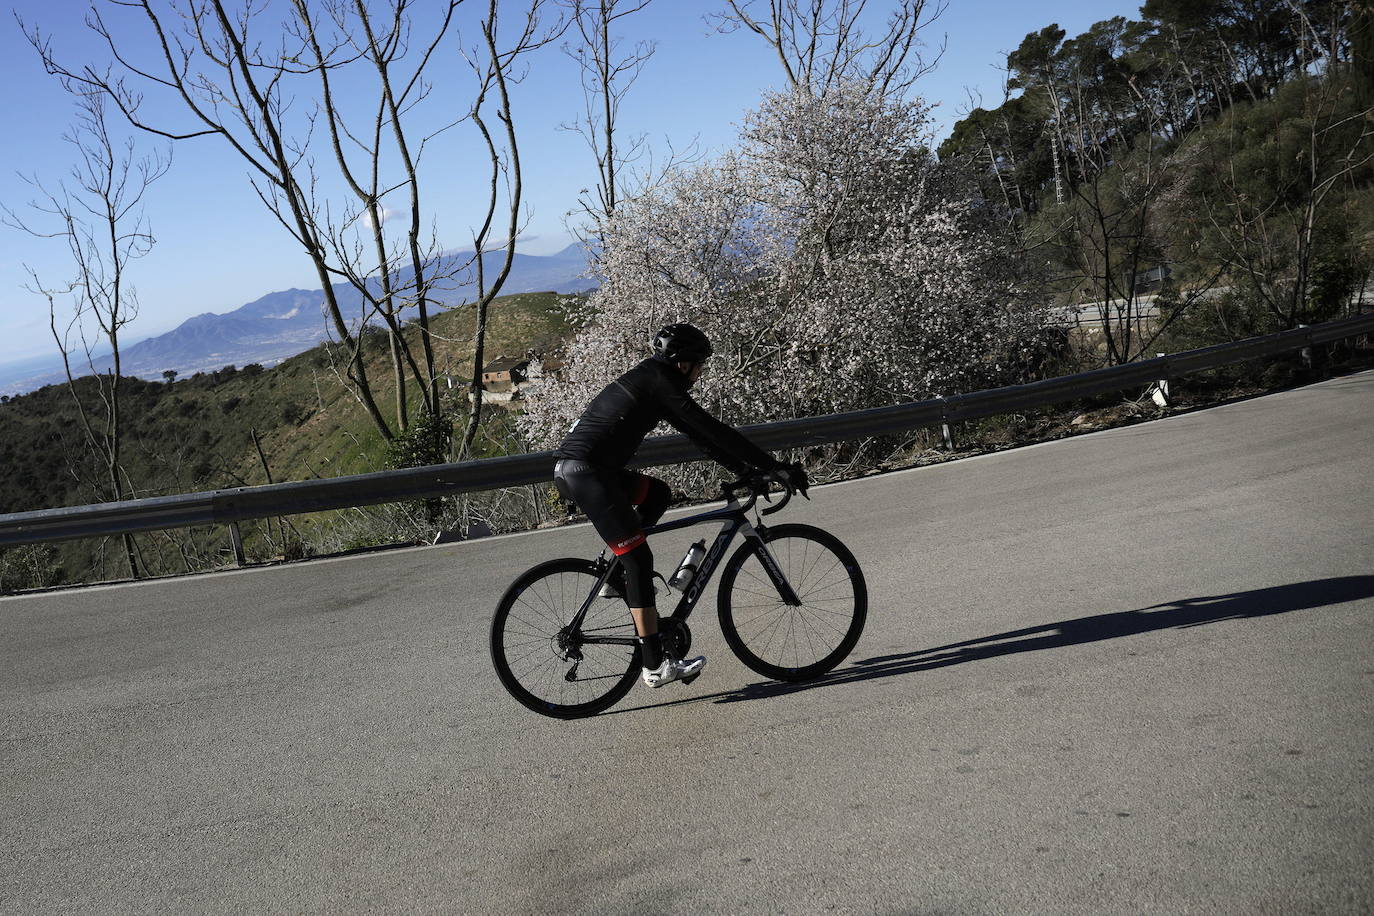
x=801 y=641
x=545 y=664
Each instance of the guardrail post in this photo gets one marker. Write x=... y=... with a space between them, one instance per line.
x=946 y=436
x=1159 y=393
x=236 y=539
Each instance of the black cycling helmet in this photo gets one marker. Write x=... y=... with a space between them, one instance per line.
x=682 y=343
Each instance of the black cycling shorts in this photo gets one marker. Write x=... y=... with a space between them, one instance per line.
x=608 y=497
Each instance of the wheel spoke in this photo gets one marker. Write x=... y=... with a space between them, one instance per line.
x=527 y=649
x=793 y=640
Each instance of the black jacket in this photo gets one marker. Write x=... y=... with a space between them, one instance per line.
x=617 y=420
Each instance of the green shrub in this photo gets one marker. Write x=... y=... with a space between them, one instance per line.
x=28 y=566
x=292 y=413
x=425 y=442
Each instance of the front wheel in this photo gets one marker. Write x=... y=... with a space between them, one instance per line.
x=793 y=642
x=545 y=664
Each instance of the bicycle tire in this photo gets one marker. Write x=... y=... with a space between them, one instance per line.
x=528 y=658
x=766 y=633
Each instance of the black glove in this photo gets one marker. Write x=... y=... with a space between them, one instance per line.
x=790 y=477
x=796 y=478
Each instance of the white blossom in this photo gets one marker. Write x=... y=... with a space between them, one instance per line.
x=834 y=263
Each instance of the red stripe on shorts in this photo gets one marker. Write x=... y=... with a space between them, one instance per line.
x=622 y=547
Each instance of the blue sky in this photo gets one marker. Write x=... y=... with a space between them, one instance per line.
x=217 y=248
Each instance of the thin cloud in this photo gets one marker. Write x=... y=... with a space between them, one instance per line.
x=384 y=212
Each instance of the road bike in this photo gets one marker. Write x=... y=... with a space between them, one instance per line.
x=792 y=604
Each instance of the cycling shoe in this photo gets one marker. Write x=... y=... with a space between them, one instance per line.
x=672 y=669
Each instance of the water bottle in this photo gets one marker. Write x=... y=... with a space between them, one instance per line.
x=688 y=567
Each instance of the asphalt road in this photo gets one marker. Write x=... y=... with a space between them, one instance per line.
x=1124 y=673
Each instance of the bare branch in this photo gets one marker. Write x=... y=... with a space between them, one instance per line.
x=820 y=45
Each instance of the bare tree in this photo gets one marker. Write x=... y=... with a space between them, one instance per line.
x=361 y=252
x=607 y=76
x=238 y=85
x=498 y=63
x=100 y=217
x=821 y=43
x=1103 y=229
x=231 y=88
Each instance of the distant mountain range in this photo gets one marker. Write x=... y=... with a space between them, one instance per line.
x=282 y=324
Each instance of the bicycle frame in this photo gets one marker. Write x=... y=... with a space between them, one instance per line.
x=735 y=520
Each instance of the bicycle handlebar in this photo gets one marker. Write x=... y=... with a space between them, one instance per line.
x=756 y=489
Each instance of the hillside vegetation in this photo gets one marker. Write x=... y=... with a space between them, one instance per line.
x=198 y=434
x=1224 y=146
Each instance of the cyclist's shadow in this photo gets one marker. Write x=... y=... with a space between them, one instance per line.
x=1188 y=612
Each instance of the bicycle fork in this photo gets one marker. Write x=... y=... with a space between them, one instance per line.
x=770 y=566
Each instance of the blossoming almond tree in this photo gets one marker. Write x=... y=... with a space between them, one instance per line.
x=833 y=261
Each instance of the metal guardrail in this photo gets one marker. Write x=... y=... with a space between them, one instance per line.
x=224 y=507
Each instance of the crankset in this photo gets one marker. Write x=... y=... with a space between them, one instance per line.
x=677 y=638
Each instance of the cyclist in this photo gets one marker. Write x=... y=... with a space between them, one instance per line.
x=620 y=503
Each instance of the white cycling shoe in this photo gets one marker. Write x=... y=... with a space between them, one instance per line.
x=672 y=669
